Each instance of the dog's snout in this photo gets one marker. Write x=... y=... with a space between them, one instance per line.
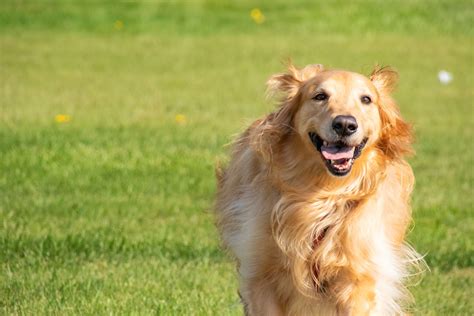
x=344 y=125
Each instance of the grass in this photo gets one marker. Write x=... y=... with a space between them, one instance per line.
x=109 y=213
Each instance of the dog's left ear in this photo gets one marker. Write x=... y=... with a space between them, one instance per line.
x=385 y=79
x=396 y=136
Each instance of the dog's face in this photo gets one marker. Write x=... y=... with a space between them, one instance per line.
x=338 y=116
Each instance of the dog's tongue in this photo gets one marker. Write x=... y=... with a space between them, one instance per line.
x=335 y=152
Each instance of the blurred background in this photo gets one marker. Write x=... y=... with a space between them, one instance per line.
x=113 y=115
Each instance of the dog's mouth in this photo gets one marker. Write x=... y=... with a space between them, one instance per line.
x=339 y=156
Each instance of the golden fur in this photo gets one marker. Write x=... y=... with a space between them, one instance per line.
x=307 y=242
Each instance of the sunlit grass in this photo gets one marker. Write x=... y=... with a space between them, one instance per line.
x=109 y=133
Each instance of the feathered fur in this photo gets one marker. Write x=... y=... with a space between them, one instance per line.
x=306 y=242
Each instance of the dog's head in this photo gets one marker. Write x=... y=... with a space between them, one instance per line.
x=337 y=115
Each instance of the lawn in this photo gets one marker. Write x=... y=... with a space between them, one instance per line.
x=107 y=210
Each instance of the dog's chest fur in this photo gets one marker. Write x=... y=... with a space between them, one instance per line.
x=327 y=241
x=342 y=252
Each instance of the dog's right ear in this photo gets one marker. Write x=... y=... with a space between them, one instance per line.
x=267 y=133
x=288 y=84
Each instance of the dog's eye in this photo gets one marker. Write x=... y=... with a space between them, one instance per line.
x=321 y=96
x=366 y=99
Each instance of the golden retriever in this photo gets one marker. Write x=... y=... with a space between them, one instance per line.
x=314 y=204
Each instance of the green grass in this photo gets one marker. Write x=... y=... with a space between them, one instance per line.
x=109 y=213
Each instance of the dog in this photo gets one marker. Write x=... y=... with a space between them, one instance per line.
x=314 y=204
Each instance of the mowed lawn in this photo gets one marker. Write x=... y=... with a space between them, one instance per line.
x=109 y=211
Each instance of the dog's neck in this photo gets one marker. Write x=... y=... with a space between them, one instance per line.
x=314 y=206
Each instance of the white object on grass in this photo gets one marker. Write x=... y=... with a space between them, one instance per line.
x=445 y=77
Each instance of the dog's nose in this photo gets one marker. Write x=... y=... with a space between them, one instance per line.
x=344 y=125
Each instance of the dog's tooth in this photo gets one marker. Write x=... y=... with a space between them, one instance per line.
x=325 y=143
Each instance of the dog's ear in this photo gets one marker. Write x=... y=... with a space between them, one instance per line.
x=396 y=135
x=289 y=83
x=384 y=79
x=267 y=133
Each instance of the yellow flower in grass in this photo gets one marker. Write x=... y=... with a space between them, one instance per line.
x=62 y=118
x=180 y=119
x=118 y=25
x=257 y=16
